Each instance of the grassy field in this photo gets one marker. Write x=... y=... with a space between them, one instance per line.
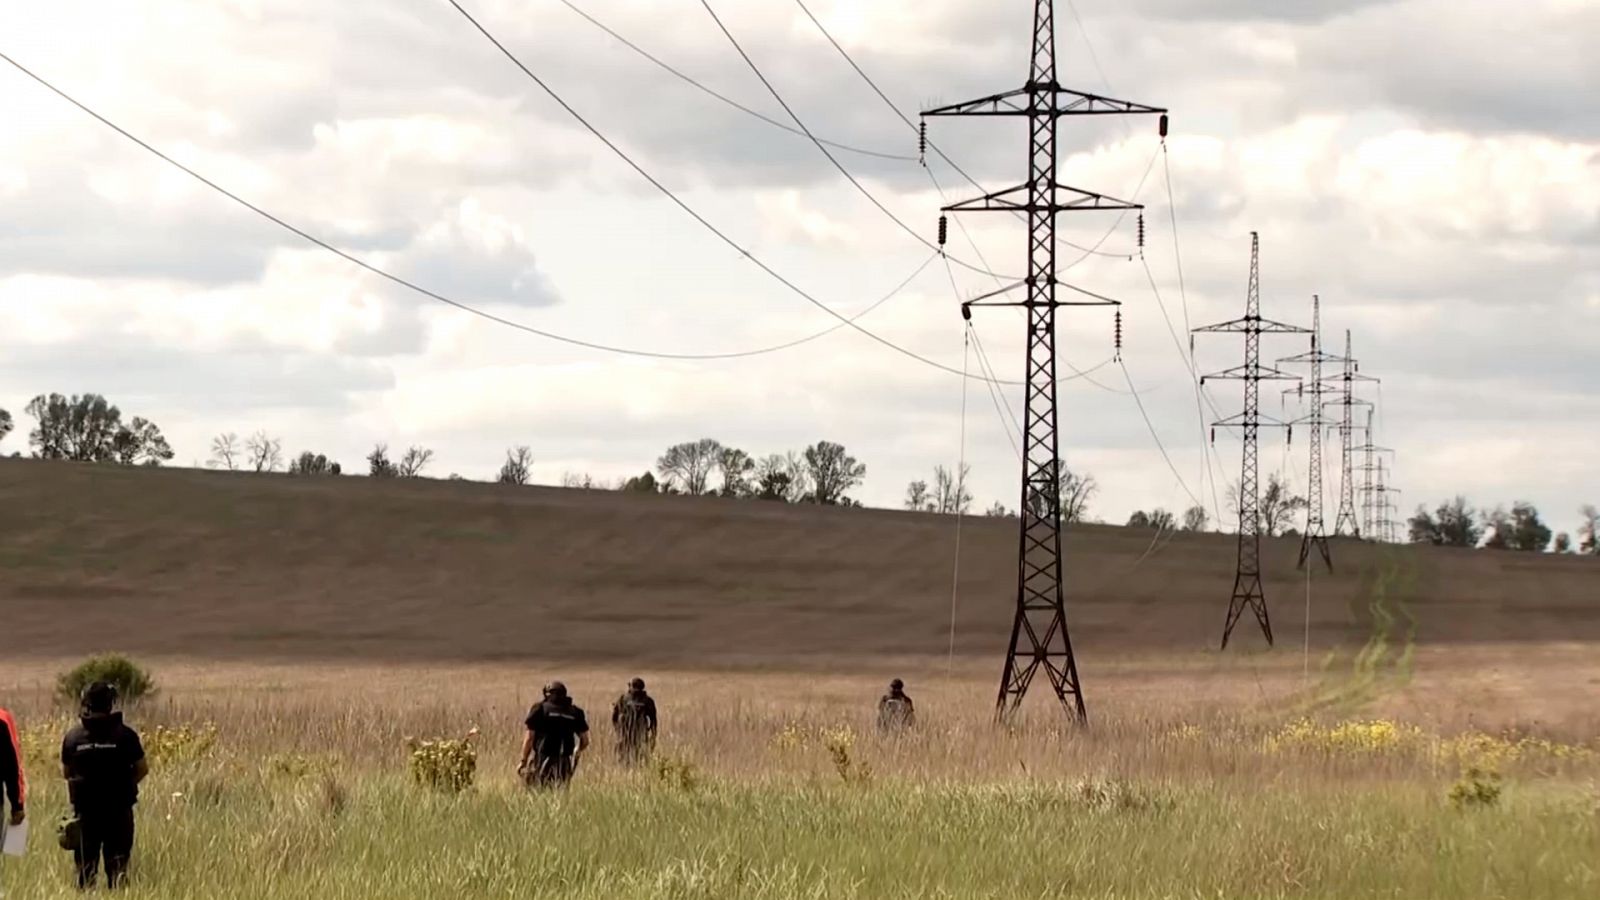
x=302 y=630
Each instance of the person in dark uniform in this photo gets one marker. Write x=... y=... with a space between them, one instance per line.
x=13 y=784
x=558 y=734
x=896 y=712
x=634 y=718
x=103 y=762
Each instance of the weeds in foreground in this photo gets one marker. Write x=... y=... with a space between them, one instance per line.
x=444 y=764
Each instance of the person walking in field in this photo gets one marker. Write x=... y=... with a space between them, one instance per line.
x=558 y=735
x=634 y=718
x=13 y=782
x=103 y=762
x=896 y=712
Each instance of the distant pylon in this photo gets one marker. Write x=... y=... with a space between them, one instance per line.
x=1346 y=524
x=1247 y=587
x=1316 y=534
x=1369 y=471
x=1387 y=508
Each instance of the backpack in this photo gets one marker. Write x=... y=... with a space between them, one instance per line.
x=895 y=712
x=633 y=719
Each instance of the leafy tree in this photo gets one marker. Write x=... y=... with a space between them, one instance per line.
x=642 y=484
x=1278 y=505
x=263 y=453
x=1457 y=524
x=736 y=468
x=832 y=471
x=1158 y=519
x=1195 y=518
x=308 y=463
x=917 y=496
x=517 y=468
x=415 y=460
x=950 y=494
x=1563 y=543
x=379 y=465
x=773 y=480
x=1424 y=530
x=225 y=452
x=1589 y=531
x=1519 y=529
x=88 y=429
x=5 y=424
x=688 y=467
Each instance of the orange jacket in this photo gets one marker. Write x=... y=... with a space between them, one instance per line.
x=13 y=783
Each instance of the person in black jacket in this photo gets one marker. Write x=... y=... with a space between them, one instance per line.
x=558 y=734
x=103 y=762
x=13 y=785
x=634 y=718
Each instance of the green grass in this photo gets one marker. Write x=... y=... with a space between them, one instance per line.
x=248 y=833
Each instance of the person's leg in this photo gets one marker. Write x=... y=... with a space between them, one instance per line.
x=87 y=855
x=118 y=846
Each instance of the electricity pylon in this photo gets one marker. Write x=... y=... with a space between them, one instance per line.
x=1371 y=462
x=1387 y=508
x=1316 y=534
x=1345 y=524
x=1039 y=636
x=1247 y=587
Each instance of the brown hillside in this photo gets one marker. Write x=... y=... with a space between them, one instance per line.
x=230 y=565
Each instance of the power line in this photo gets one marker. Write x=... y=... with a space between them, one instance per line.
x=1157 y=437
x=457 y=304
x=935 y=147
x=690 y=80
x=800 y=123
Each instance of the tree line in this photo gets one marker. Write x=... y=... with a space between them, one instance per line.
x=1455 y=523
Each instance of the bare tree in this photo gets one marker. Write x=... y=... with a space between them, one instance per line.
x=950 y=494
x=736 y=467
x=688 y=467
x=998 y=511
x=518 y=466
x=582 y=481
x=799 y=475
x=833 y=471
x=379 y=465
x=1076 y=491
x=917 y=496
x=1277 y=504
x=263 y=453
x=1195 y=518
x=5 y=424
x=225 y=452
x=415 y=460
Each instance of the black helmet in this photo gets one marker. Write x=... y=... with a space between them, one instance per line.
x=637 y=684
x=99 y=697
x=896 y=685
x=555 y=690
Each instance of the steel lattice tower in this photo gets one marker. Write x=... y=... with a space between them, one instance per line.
x=1346 y=525
x=1316 y=534
x=1039 y=635
x=1369 y=472
x=1247 y=587
x=1387 y=508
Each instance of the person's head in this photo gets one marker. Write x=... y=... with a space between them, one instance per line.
x=99 y=698
x=636 y=685
x=555 y=691
x=896 y=686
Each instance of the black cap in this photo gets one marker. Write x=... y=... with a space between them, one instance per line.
x=99 y=697
x=555 y=689
x=896 y=684
x=636 y=684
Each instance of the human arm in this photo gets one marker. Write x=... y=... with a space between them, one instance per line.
x=527 y=750
x=582 y=730
x=651 y=722
x=530 y=737
x=136 y=759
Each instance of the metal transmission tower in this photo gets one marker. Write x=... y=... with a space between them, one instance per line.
x=1386 y=523
x=1039 y=637
x=1345 y=525
x=1316 y=534
x=1369 y=469
x=1247 y=588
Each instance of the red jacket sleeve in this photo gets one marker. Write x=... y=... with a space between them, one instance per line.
x=13 y=783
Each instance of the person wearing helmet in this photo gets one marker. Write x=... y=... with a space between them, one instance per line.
x=103 y=761
x=558 y=734
x=634 y=718
x=895 y=709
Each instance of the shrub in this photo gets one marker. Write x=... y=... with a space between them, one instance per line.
x=1477 y=788
x=444 y=764
x=132 y=682
x=840 y=742
x=677 y=773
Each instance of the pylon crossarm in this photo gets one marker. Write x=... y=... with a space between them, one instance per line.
x=1021 y=199
x=1247 y=325
x=1262 y=421
x=1251 y=373
x=1064 y=102
x=1315 y=356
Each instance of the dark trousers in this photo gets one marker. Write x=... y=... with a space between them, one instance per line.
x=108 y=834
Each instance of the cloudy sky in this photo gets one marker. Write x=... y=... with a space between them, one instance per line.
x=1431 y=168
